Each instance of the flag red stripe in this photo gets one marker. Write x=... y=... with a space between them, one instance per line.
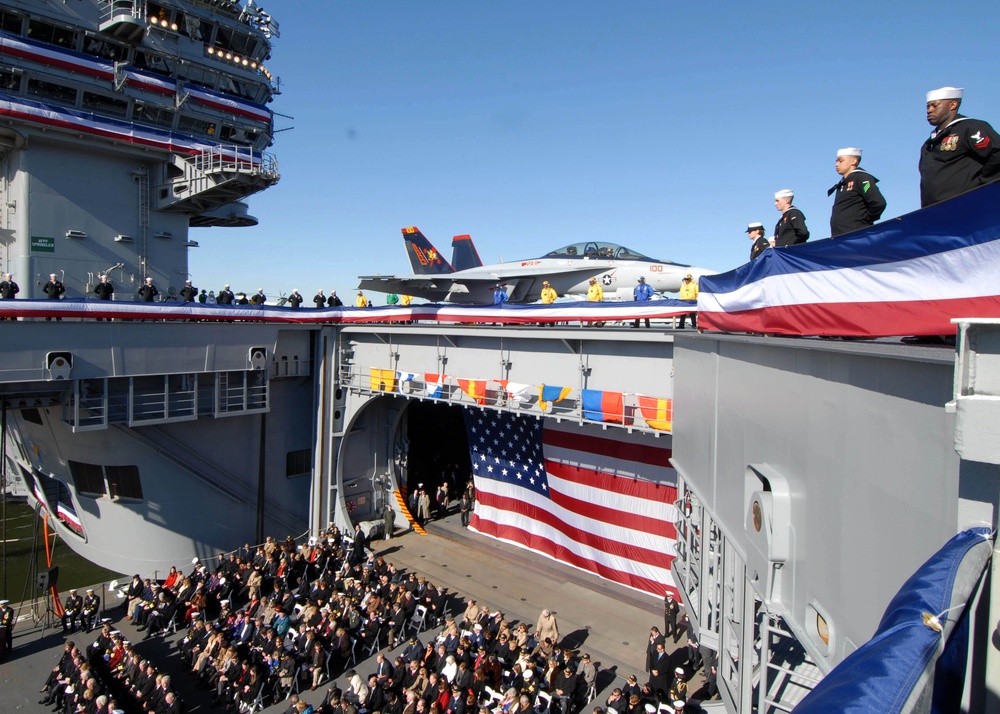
x=596 y=512
x=564 y=555
x=606 y=545
x=665 y=493
x=860 y=319
x=611 y=448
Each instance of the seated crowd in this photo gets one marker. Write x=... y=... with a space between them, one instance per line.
x=109 y=677
x=270 y=621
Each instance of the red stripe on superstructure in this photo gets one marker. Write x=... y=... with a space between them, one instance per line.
x=661 y=492
x=150 y=86
x=53 y=62
x=594 y=511
x=611 y=448
x=62 y=124
x=859 y=319
x=564 y=555
x=606 y=545
x=222 y=106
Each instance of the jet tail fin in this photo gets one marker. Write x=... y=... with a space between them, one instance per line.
x=464 y=254
x=424 y=257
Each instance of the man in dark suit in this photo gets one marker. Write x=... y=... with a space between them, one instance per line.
x=655 y=638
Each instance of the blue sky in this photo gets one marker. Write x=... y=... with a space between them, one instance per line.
x=530 y=125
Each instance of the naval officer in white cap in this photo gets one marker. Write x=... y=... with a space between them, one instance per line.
x=858 y=202
x=791 y=228
x=760 y=243
x=960 y=154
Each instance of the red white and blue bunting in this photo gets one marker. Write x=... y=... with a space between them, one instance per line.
x=507 y=314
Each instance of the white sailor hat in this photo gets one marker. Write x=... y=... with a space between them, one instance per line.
x=849 y=151
x=678 y=705
x=4 y=602
x=944 y=93
x=751 y=227
x=90 y=590
x=224 y=603
x=784 y=193
x=678 y=670
x=650 y=707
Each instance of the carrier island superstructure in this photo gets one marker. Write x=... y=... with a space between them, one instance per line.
x=123 y=123
x=813 y=477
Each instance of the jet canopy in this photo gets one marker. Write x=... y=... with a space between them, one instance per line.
x=598 y=250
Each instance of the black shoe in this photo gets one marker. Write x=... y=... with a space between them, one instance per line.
x=944 y=340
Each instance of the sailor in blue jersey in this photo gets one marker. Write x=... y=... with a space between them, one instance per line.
x=499 y=294
x=858 y=203
x=147 y=291
x=8 y=288
x=188 y=293
x=960 y=154
x=642 y=293
x=791 y=228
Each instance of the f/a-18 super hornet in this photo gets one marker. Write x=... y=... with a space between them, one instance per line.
x=568 y=269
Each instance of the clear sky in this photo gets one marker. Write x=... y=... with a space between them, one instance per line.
x=664 y=126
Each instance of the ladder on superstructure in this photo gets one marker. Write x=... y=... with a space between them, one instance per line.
x=142 y=179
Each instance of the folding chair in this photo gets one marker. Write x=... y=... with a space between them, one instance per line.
x=258 y=701
x=543 y=703
x=354 y=651
x=297 y=682
x=329 y=659
x=493 y=696
x=416 y=623
x=371 y=649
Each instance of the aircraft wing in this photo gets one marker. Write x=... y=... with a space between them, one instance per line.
x=421 y=286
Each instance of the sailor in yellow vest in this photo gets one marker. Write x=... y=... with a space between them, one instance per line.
x=404 y=301
x=549 y=296
x=362 y=301
x=595 y=293
x=689 y=291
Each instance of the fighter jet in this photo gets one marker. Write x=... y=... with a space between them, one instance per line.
x=568 y=269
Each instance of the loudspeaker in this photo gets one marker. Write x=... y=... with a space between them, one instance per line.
x=48 y=578
x=58 y=365
x=257 y=358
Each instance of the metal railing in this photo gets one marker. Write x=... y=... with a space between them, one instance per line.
x=112 y=10
x=234 y=158
x=495 y=395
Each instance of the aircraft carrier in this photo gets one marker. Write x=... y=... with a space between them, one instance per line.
x=812 y=477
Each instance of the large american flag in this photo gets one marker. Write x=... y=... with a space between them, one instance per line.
x=599 y=500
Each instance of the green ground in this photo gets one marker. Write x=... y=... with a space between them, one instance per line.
x=74 y=571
